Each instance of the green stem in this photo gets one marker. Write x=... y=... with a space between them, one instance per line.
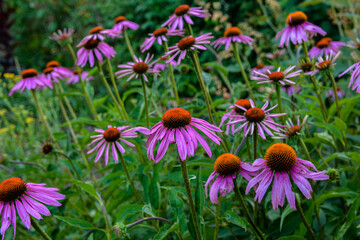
x=278 y=95
x=242 y=203
x=217 y=220
x=106 y=217
x=302 y=216
x=39 y=229
x=191 y=201
x=146 y=102
x=137 y=194
x=116 y=88
x=172 y=77
x=67 y=102
x=128 y=44
x=306 y=53
x=321 y=102
x=188 y=28
x=237 y=57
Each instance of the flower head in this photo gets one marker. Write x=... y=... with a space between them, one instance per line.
x=110 y=139
x=298 y=29
x=159 y=35
x=137 y=69
x=276 y=54
x=178 y=126
x=63 y=36
x=232 y=35
x=339 y=91
x=92 y=50
x=277 y=76
x=323 y=65
x=99 y=33
x=355 y=76
x=355 y=44
x=27 y=200
x=121 y=24
x=55 y=72
x=75 y=76
x=324 y=47
x=47 y=148
x=234 y=112
x=261 y=68
x=292 y=130
x=226 y=168
x=186 y=44
x=289 y=89
x=257 y=119
x=30 y=79
x=281 y=160
x=182 y=13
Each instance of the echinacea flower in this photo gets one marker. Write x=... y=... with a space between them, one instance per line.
x=276 y=54
x=30 y=79
x=354 y=44
x=74 y=77
x=324 y=47
x=257 y=119
x=187 y=44
x=289 y=89
x=261 y=68
x=99 y=33
x=355 y=76
x=121 y=24
x=292 y=130
x=92 y=50
x=55 y=72
x=110 y=139
x=235 y=111
x=299 y=29
x=323 y=65
x=63 y=36
x=162 y=66
x=226 y=168
x=178 y=126
x=25 y=199
x=159 y=35
x=277 y=76
x=232 y=35
x=181 y=14
x=281 y=160
x=137 y=69
x=339 y=91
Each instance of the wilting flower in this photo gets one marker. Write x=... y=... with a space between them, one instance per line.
x=121 y=24
x=324 y=47
x=74 y=77
x=92 y=50
x=159 y=35
x=256 y=119
x=339 y=91
x=64 y=36
x=47 y=148
x=26 y=199
x=261 y=68
x=99 y=33
x=299 y=29
x=232 y=35
x=235 y=111
x=30 y=79
x=292 y=130
x=138 y=68
x=354 y=44
x=276 y=77
x=178 y=126
x=182 y=13
x=187 y=44
x=276 y=54
x=226 y=168
x=280 y=160
x=355 y=76
x=110 y=139
x=323 y=65
x=55 y=72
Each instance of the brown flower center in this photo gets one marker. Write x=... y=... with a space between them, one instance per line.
x=176 y=118
x=11 y=189
x=338 y=88
x=96 y=30
x=186 y=43
x=307 y=67
x=329 y=39
x=255 y=115
x=47 y=148
x=232 y=31
x=160 y=32
x=48 y=70
x=53 y=64
x=91 y=44
x=293 y=131
x=119 y=19
x=358 y=45
x=244 y=103
x=181 y=10
x=259 y=66
x=163 y=58
x=227 y=164
x=28 y=73
x=324 y=65
x=323 y=43
x=280 y=157
x=276 y=76
x=140 y=67
x=77 y=72
x=111 y=134
x=296 y=18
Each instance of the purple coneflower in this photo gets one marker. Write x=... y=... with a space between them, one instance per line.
x=121 y=24
x=323 y=65
x=92 y=50
x=324 y=47
x=299 y=29
x=182 y=13
x=355 y=76
x=289 y=89
x=187 y=44
x=257 y=119
x=30 y=79
x=261 y=68
x=138 y=68
x=159 y=35
x=276 y=77
x=276 y=54
x=55 y=72
x=178 y=126
x=292 y=130
x=232 y=35
x=63 y=36
x=74 y=77
x=109 y=140
x=226 y=168
x=27 y=200
x=280 y=160
x=340 y=93
x=235 y=111
x=162 y=66
x=99 y=33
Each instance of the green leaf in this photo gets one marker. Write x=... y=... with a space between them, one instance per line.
x=350 y=218
x=284 y=214
x=340 y=124
x=292 y=237
x=236 y=219
x=79 y=223
x=199 y=194
x=86 y=187
x=100 y=101
x=165 y=230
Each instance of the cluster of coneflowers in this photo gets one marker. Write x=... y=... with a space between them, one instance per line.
x=279 y=169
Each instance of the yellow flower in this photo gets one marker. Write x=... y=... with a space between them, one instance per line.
x=9 y=75
x=2 y=112
x=29 y=120
x=2 y=130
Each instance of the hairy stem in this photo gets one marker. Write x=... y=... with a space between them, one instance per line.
x=39 y=229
